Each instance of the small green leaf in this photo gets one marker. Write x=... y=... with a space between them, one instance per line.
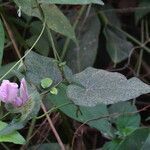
x=46 y=83
x=53 y=91
x=14 y=137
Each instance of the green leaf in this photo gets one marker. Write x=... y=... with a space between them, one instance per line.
x=46 y=82
x=39 y=67
x=93 y=116
x=57 y=21
x=2 y=40
x=29 y=7
x=46 y=146
x=146 y=145
x=102 y=87
x=112 y=145
x=53 y=91
x=135 y=140
x=83 y=55
x=126 y=120
x=117 y=45
x=72 y=2
x=140 y=13
x=14 y=137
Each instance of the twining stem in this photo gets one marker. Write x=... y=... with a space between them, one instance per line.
x=132 y=39
x=11 y=37
x=141 y=51
x=53 y=109
x=74 y=26
x=30 y=129
x=21 y=59
x=53 y=45
x=52 y=127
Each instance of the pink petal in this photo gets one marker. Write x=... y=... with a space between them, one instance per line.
x=23 y=91
x=17 y=102
x=8 y=91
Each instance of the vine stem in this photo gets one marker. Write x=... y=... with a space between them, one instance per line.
x=52 y=127
x=74 y=26
x=132 y=39
x=53 y=45
x=20 y=60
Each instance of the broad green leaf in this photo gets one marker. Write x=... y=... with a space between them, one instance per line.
x=135 y=140
x=39 y=67
x=46 y=146
x=102 y=87
x=117 y=45
x=57 y=21
x=146 y=144
x=82 y=114
x=2 y=40
x=79 y=57
x=72 y=2
x=112 y=145
x=46 y=82
x=126 y=120
x=14 y=137
x=29 y=7
x=144 y=9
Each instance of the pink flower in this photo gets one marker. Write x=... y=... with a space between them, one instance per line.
x=9 y=93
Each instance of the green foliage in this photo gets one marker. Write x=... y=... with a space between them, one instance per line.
x=57 y=21
x=72 y=2
x=117 y=45
x=93 y=97
x=29 y=7
x=83 y=55
x=127 y=120
x=40 y=67
x=99 y=86
x=92 y=116
x=135 y=140
x=53 y=91
x=14 y=137
x=139 y=14
x=46 y=83
x=46 y=146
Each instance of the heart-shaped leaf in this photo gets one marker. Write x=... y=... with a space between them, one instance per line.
x=40 y=67
x=100 y=86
